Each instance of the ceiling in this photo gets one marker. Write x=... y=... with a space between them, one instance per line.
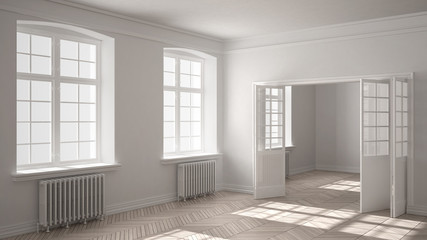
x=235 y=19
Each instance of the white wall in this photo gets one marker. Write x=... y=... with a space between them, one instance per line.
x=337 y=127
x=350 y=56
x=302 y=157
x=142 y=179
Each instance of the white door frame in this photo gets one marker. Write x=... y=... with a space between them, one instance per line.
x=330 y=80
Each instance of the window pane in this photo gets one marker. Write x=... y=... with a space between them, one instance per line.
x=40 y=111
x=185 y=81
x=196 y=99
x=185 y=144
x=69 y=112
x=195 y=114
x=405 y=89
x=398 y=104
x=41 y=45
x=69 y=132
x=87 y=112
x=398 y=134
x=23 y=42
x=185 y=114
x=169 y=114
x=405 y=119
x=40 y=133
x=23 y=111
x=40 y=153
x=69 y=49
x=398 y=149
x=69 y=151
x=87 y=132
x=185 y=129
x=169 y=98
x=405 y=104
x=169 y=79
x=87 y=150
x=69 y=68
x=87 y=52
x=195 y=129
x=398 y=88
x=23 y=90
x=398 y=119
x=196 y=143
x=169 y=129
x=405 y=134
x=169 y=145
x=185 y=99
x=23 y=154
x=41 y=65
x=22 y=63
x=87 y=70
x=169 y=64
x=196 y=82
x=196 y=68
x=87 y=93
x=41 y=91
x=22 y=133
x=69 y=92
x=185 y=66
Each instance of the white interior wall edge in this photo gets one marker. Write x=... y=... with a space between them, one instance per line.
x=394 y=25
x=101 y=21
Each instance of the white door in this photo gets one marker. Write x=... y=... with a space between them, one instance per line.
x=375 y=145
x=400 y=147
x=269 y=169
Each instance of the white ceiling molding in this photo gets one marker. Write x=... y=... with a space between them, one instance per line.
x=401 y=24
x=102 y=22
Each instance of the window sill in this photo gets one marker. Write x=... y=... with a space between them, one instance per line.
x=190 y=158
x=62 y=171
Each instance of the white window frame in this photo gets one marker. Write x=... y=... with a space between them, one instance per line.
x=56 y=80
x=177 y=89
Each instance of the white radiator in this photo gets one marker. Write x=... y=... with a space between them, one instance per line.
x=195 y=179
x=64 y=201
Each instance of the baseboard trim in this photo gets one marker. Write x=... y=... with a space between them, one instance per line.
x=334 y=168
x=13 y=230
x=146 y=202
x=238 y=188
x=417 y=210
x=293 y=171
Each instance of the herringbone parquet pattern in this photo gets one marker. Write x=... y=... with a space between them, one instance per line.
x=319 y=205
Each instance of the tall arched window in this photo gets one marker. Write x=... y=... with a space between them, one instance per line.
x=59 y=95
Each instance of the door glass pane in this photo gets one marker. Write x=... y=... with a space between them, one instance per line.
x=369 y=119
x=382 y=119
x=382 y=148
x=382 y=105
x=369 y=104
x=398 y=149
x=405 y=134
x=398 y=88
x=398 y=104
x=398 y=134
x=405 y=119
x=405 y=149
x=398 y=119
x=405 y=89
x=382 y=133
x=382 y=90
x=369 y=134
x=405 y=104
x=369 y=89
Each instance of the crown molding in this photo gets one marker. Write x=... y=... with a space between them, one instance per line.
x=395 y=25
x=56 y=10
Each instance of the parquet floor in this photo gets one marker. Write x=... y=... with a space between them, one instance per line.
x=319 y=205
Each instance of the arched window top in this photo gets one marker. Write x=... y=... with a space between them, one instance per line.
x=62 y=29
